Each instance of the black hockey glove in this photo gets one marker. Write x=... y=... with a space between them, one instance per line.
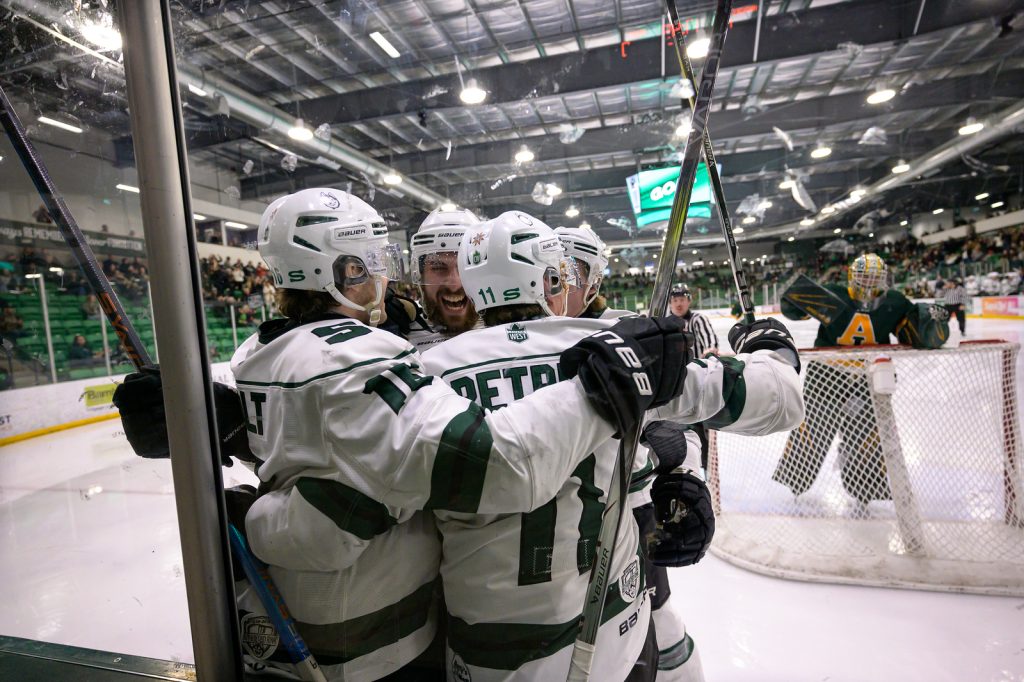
x=667 y=440
x=636 y=365
x=764 y=334
x=685 y=519
x=140 y=400
x=401 y=313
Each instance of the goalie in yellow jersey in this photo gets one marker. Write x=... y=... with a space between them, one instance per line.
x=837 y=395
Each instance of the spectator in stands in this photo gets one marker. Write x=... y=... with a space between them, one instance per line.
x=79 y=354
x=10 y=324
x=41 y=215
x=91 y=307
x=6 y=280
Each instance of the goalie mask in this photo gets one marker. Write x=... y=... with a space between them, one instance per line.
x=328 y=240
x=514 y=259
x=867 y=278
x=585 y=247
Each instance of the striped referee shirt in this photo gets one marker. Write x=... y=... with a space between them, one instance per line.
x=703 y=334
x=955 y=296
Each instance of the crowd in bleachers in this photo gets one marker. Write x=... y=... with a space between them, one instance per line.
x=989 y=264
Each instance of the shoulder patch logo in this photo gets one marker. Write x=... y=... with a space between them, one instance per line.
x=476 y=258
x=516 y=332
x=477 y=239
x=629 y=581
x=330 y=201
x=259 y=637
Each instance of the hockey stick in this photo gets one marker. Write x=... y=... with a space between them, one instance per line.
x=133 y=346
x=738 y=274
x=597 y=586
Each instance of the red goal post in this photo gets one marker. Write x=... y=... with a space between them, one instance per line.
x=905 y=473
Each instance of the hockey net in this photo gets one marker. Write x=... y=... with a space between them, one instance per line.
x=906 y=472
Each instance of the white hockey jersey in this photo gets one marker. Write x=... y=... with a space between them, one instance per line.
x=515 y=584
x=355 y=444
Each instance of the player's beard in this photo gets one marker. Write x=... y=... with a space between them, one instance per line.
x=451 y=322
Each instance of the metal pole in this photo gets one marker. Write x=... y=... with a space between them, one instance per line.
x=234 y=325
x=46 y=328
x=152 y=321
x=106 y=345
x=775 y=293
x=160 y=154
x=263 y=313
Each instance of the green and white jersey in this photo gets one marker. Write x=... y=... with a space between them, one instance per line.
x=356 y=443
x=424 y=338
x=515 y=584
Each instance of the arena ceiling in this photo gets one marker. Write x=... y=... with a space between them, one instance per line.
x=588 y=86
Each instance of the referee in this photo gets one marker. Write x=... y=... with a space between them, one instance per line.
x=705 y=340
x=954 y=299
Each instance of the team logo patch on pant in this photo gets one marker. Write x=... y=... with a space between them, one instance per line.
x=460 y=673
x=629 y=581
x=259 y=637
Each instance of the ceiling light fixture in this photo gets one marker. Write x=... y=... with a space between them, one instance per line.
x=971 y=126
x=998 y=204
x=524 y=155
x=791 y=239
x=572 y=212
x=385 y=45
x=765 y=205
x=472 y=93
x=900 y=167
x=127 y=188
x=684 y=128
x=737 y=230
x=904 y=223
x=698 y=49
x=448 y=206
x=838 y=230
x=749 y=220
x=858 y=194
x=828 y=210
x=392 y=178
x=807 y=222
x=197 y=91
x=871 y=235
x=694 y=252
x=585 y=225
x=101 y=35
x=787 y=184
x=552 y=190
x=198 y=216
x=60 y=124
x=981 y=197
x=300 y=132
x=938 y=211
x=235 y=226
x=880 y=96
x=820 y=152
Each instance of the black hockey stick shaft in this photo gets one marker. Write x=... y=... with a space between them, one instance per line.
x=615 y=505
x=738 y=274
x=132 y=344
x=81 y=250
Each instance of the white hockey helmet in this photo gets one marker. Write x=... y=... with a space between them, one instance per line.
x=308 y=237
x=513 y=259
x=440 y=232
x=584 y=245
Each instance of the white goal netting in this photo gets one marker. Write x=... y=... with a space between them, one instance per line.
x=906 y=472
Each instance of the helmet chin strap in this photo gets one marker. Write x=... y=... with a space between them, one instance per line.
x=372 y=309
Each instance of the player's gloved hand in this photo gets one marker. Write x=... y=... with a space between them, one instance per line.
x=667 y=440
x=140 y=400
x=764 y=334
x=401 y=313
x=684 y=517
x=635 y=365
x=938 y=313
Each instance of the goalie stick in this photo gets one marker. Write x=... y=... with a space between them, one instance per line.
x=739 y=276
x=292 y=641
x=597 y=586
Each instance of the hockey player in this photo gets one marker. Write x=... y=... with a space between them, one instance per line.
x=866 y=311
x=433 y=250
x=354 y=442
x=678 y=657
x=515 y=583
